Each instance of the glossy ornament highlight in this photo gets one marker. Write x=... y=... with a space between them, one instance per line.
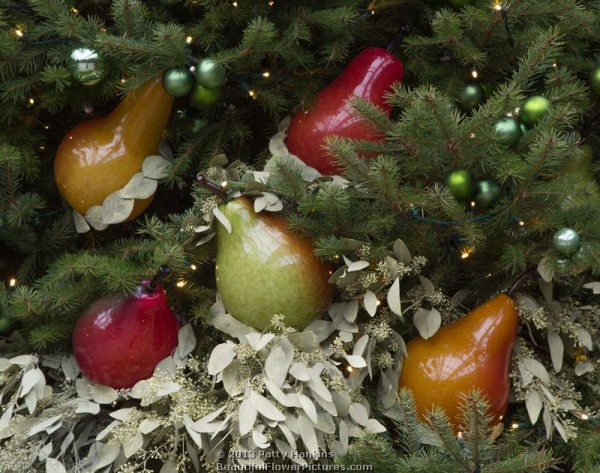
x=472 y=352
x=508 y=131
x=533 y=110
x=487 y=193
x=203 y=97
x=263 y=270
x=594 y=80
x=86 y=66
x=472 y=96
x=209 y=74
x=462 y=184
x=567 y=241
x=101 y=155
x=370 y=76
x=178 y=81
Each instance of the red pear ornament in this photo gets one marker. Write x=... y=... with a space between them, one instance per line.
x=471 y=353
x=101 y=155
x=370 y=76
x=119 y=340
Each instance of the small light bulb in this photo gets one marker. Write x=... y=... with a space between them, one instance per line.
x=123 y=81
x=501 y=417
x=271 y=3
x=498 y=7
x=42 y=148
x=12 y=282
x=235 y=4
x=19 y=33
x=266 y=74
x=473 y=204
x=472 y=135
x=31 y=101
x=378 y=302
x=193 y=267
x=74 y=10
x=460 y=435
x=514 y=425
x=251 y=93
x=349 y=369
x=464 y=255
x=46 y=127
x=181 y=283
x=474 y=74
x=585 y=416
x=224 y=184
x=554 y=65
x=189 y=40
x=522 y=223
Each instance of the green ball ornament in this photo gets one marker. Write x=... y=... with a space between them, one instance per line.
x=533 y=110
x=508 y=131
x=178 y=81
x=595 y=80
x=566 y=241
x=487 y=193
x=203 y=97
x=472 y=96
x=6 y=325
x=86 y=66
x=462 y=184
x=210 y=74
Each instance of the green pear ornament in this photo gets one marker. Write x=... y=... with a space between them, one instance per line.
x=262 y=269
x=101 y=155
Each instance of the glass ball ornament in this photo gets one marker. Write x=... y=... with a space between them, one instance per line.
x=472 y=96
x=204 y=97
x=209 y=74
x=178 y=81
x=462 y=184
x=566 y=241
x=86 y=66
x=508 y=131
x=6 y=325
x=487 y=193
x=595 y=80
x=533 y=110
x=198 y=124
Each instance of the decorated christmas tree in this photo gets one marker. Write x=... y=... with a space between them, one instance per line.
x=283 y=236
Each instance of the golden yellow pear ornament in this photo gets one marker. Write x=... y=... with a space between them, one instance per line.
x=100 y=157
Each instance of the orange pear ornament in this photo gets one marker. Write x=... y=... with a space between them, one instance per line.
x=101 y=156
x=470 y=353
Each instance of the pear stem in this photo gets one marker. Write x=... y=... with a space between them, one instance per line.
x=516 y=285
x=163 y=271
x=212 y=187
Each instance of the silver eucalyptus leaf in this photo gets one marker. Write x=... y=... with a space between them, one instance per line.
x=534 y=404
x=557 y=348
x=156 y=167
x=308 y=407
x=115 y=209
x=94 y=217
x=308 y=434
x=220 y=358
x=81 y=226
x=393 y=298
x=247 y=416
x=138 y=187
x=277 y=366
x=266 y=407
x=370 y=302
